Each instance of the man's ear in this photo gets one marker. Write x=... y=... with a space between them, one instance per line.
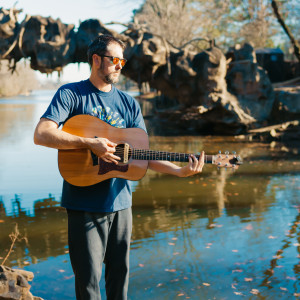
x=96 y=60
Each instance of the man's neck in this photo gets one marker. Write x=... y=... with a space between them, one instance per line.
x=100 y=85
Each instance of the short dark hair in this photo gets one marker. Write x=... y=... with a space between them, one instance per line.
x=100 y=44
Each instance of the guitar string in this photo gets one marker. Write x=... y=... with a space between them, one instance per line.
x=146 y=153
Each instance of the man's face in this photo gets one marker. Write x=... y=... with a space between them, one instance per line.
x=108 y=71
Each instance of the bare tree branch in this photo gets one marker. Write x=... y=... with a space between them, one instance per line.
x=286 y=29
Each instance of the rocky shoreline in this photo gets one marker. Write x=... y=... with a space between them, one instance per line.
x=14 y=284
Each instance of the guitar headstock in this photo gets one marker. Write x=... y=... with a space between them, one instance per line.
x=227 y=160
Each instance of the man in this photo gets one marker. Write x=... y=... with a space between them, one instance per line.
x=99 y=216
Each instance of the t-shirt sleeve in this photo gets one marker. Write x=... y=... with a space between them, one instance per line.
x=60 y=107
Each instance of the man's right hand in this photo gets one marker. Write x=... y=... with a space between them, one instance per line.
x=104 y=149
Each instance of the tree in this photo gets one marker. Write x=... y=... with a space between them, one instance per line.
x=169 y=18
x=228 y=21
x=21 y=81
x=286 y=29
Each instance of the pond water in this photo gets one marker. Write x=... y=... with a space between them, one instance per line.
x=218 y=235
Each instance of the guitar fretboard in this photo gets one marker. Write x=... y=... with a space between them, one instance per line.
x=141 y=154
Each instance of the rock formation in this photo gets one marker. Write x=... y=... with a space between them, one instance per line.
x=211 y=95
x=14 y=284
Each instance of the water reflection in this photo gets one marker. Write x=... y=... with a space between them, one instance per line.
x=219 y=235
x=45 y=231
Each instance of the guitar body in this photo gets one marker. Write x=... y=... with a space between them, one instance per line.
x=79 y=166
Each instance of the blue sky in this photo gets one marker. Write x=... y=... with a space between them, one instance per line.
x=72 y=12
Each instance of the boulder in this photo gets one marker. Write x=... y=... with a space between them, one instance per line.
x=14 y=284
x=250 y=83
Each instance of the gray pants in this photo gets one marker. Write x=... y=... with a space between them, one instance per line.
x=95 y=238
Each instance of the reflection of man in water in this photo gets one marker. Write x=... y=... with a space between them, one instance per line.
x=99 y=216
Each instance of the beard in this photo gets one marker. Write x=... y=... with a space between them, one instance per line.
x=109 y=78
x=112 y=78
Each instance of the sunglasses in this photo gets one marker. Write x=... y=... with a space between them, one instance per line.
x=116 y=60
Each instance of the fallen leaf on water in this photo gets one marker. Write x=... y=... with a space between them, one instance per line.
x=180 y=295
x=204 y=184
x=206 y=284
x=297 y=294
x=239 y=293
x=186 y=278
x=141 y=265
x=239 y=263
x=176 y=253
x=237 y=270
x=170 y=270
x=236 y=194
x=61 y=271
x=171 y=244
x=26 y=263
x=248 y=279
x=296 y=244
x=235 y=250
x=254 y=291
x=277 y=256
x=272 y=237
x=291 y=278
x=249 y=227
x=233 y=285
x=2 y=221
x=232 y=183
x=191 y=182
x=174 y=239
x=160 y=284
x=283 y=289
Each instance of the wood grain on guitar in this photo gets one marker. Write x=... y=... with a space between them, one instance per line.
x=81 y=167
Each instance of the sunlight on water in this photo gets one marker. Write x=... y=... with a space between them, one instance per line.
x=218 y=235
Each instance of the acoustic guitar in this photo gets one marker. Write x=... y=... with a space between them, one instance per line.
x=81 y=167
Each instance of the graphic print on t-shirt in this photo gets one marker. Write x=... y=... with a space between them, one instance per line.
x=106 y=114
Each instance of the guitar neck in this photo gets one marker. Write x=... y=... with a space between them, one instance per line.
x=141 y=154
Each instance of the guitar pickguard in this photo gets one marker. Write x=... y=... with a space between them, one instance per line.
x=105 y=167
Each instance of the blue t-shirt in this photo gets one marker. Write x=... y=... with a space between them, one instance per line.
x=117 y=109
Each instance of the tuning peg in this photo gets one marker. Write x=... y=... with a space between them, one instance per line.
x=220 y=151
x=233 y=152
